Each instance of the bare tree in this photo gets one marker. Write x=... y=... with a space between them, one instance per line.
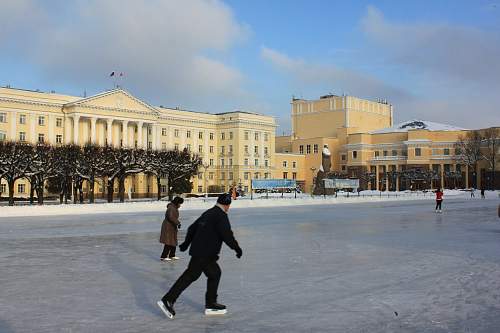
x=489 y=153
x=65 y=158
x=90 y=167
x=16 y=159
x=468 y=151
x=180 y=168
x=41 y=168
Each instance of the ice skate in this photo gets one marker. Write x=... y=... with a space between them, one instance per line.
x=215 y=309
x=174 y=258
x=167 y=308
x=165 y=259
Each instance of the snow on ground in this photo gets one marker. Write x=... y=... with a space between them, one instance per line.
x=259 y=200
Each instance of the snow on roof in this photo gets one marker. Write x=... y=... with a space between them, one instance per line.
x=417 y=124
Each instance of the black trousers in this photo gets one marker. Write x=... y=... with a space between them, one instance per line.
x=197 y=265
x=168 y=251
x=438 y=204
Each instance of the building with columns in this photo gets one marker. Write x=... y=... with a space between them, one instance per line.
x=235 y=146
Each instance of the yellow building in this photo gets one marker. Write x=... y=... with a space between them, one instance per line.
x=290 y=166
x=235 y=146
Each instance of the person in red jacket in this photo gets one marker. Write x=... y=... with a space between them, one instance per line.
x=439 y=200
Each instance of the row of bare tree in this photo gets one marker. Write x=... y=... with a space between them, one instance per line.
x=65 y=168
x=479 y=145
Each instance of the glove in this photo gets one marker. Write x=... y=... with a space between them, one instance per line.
x=183 y=247
x=179 y=226
x=239 y=252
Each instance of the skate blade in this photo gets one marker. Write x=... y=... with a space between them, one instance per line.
x=164 y=310
x=210 y=312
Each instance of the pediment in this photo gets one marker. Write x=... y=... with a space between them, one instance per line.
x=117 y=99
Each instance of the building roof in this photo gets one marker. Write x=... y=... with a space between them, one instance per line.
x=416 y=124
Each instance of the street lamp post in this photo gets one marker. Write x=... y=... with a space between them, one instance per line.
x=312 y=185
x=205 y=168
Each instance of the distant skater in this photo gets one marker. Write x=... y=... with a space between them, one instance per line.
x=169 y=227
x=482 y=193
x=472 y=190
x=439 y=200
x=205 y=236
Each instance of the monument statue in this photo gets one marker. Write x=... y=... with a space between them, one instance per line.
x=323 y=171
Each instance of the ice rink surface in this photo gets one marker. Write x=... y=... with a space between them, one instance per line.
x=366 y=267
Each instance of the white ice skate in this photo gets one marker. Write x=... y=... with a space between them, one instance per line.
x=175 y=258
x=215 y=309
x=170 y=313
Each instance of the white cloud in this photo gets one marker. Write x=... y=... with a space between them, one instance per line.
x=171 y=49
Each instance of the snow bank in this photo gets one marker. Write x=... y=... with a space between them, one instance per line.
x=274 y=200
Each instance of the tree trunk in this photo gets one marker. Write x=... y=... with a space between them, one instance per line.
x=39 y=193
x=111 y=183
x=11 y=191
x=121 y=188
x=75 y=193
x=32 y=189
x=80 y=192
x=91 y=190
x=61 y=197
x=158 y=185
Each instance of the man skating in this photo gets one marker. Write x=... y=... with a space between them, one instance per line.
x=205 y=236
x=439 y=200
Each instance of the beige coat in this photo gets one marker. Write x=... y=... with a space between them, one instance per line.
x=168 y=234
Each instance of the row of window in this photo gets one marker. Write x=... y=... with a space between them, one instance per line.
x=211 y=134
x=294 y=164
x=418 y=152
x=245 y=162
x=22 y=119
x=308 y=149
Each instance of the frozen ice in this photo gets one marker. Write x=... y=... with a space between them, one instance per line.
x=393 y=266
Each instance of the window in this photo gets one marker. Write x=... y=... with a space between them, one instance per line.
x=256 y=150
x=222 y=175
x=343 y=168
x=176 y=133
x=150 y=144
x=246 y=149
x=22 y=136
x=200 y=175
x=418 y=151
x=301 y=149
x=163 y=146
x=222 y=162
x=230 y=162
x=176 y=146
x=230 y=135
x=394 y=153
x=256 y=162
x=3 y=188
x=163 y=131
x=200 y=149
x=211 y=176
x=294 y=175
x=294 y=164
x=256 y=175
x=58 y=122
x=308 y=149
x=41 y=121
x=200 y=135
x=3 y=117
x=446 y=151
x=188 y=134
x=377 y=153
x=385 y=152
x=285 y=175
x=163 y=188
x=200 y=189
x=150 y=130
x=344 y=157
x=211 y=136
x=222 y=150
x=354 y=155
x=230 y=149
x=435 y=151
x=256 y=136
x=246 y=161
x=266 y=163
x=245 y=176
x=222 y=136
x=266 y=136
x=266 y=151
x=245 y=188
x=230 y=176
x=21 y=188
x=211 y=163
x=22 y=119
x=2 y=136
x=285 y=164
x=266 y=175
x=188 y=147
x=315 y=149
x=246 y=135
x=58 y=138
x=404 y=152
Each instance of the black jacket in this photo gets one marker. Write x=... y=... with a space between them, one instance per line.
x=207 y=233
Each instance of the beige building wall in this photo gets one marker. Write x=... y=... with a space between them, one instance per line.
x=117 y=118
x=290 y=166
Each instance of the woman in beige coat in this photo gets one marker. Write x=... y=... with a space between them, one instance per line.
x=169 y=228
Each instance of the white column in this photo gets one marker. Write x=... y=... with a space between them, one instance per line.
x=109 y=131
x=93 y=136
x=13 y=126
x=155 y=136
x=33 y=137
x=125 y=133
x=139 y=135
x=170 y=130
x=145 y=136
x=67 y=130
x=76 y=123
x=52 y=137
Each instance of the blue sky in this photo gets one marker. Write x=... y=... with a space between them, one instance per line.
x=433 y=60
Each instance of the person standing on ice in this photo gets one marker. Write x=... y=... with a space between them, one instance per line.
x=439 y=200
x=169 y=228
x=205 y=236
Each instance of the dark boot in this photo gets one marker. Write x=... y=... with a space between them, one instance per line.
x=215 y=309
